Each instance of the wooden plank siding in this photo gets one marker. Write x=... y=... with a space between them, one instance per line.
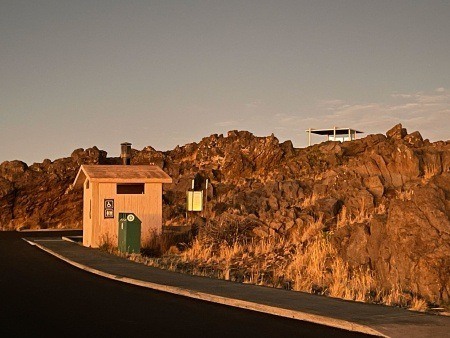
x=147 y=207
x=95 y=211
x=87 y=213
x=100 y=182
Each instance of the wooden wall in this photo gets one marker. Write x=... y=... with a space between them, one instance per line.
x=87 y=214
x=147 y=207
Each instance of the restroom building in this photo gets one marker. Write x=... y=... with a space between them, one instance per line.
x=112 y=189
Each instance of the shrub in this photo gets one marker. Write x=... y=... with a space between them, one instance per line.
x=159 y=243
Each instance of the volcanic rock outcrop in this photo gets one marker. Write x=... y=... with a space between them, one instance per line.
x=385 y=198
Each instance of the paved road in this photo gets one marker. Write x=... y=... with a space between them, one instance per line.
x=42 y=296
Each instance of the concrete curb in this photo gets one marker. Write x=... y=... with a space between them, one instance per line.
x=303 y=316
x=68 y=239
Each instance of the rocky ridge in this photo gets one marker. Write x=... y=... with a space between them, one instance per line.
x=385 y=198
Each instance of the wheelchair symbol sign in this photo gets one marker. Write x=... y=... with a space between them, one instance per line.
x=109 y=208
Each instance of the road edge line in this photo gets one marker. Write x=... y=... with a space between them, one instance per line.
x=29 y=242
x=68 y=239
x=292 y=314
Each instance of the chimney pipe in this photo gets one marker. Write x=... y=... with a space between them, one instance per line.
x=125 y=153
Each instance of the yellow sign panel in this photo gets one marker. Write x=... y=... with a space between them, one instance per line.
x=194 y=200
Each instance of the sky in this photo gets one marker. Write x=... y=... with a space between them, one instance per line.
x=77 y=74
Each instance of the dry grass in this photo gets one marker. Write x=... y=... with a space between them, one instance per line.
x=405 y=195
x=362 y=215
x=380 y=209
x=161 y=243
x=305 y=263
x=308 y=201
x=312 y=229
x=309 y=262
x=396 y=296
x=430 y=170
x=106 y=244
x=342 y=218
x=418 y=304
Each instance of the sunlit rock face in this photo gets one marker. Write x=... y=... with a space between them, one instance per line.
x=39 y=196
x=385 y=199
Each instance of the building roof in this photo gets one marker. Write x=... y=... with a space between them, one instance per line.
x=339 y=131
x=121 y=174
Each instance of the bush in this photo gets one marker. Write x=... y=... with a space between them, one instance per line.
x=160 y=244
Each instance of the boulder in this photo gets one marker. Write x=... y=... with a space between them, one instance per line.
x=12 y=170
x=375 y=186
x=329 y=207
x=404 y=167
x=417 y=243
x=352 y=241
x=397 y=132
x=7 y=195
x=414 y=139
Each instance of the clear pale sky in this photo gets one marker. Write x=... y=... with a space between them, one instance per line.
x=74 y=74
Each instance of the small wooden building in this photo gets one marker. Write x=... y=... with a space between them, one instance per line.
x=110 y=189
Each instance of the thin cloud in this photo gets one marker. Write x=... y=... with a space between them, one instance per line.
x=402 y=96
x=427 y=112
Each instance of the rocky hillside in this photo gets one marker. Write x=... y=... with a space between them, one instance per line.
x=384 y=198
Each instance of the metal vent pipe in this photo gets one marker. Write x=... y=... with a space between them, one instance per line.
x=125 y=153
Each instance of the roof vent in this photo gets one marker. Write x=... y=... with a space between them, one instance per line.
x=125 y=153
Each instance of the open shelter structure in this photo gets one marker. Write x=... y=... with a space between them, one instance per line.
x=334 y=134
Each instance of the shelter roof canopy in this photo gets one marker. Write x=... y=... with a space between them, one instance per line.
x=339 y=131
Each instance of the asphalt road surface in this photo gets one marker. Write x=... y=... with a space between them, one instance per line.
x=41 y=296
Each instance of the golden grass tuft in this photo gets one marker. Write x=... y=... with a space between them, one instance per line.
x=361 y=215
x=418 y=304
x=430 y=170
x=380 y=209
x=308 y=201
x=313 y=229
x=309 y=263
x=405 y=195
x=106 y=244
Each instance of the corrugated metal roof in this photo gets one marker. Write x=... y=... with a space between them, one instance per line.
x=121 y=173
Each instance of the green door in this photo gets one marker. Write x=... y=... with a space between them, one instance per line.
x=129 y=233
